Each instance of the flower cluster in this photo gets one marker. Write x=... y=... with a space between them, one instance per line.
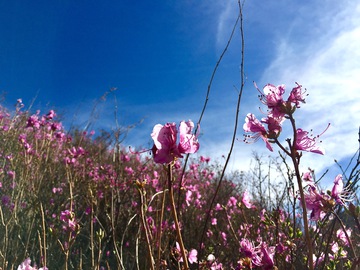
x=166 y=149
x=192 y=255
x=261 y=256
x=82 y=189
x=278 y=110
x=69 y=221
x=320 y=202
x=26 y=265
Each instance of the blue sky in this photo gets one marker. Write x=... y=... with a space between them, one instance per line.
x=160 y=56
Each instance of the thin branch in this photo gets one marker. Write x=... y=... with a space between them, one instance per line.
x=208 y=95
x=242 y=83
x=176 y=221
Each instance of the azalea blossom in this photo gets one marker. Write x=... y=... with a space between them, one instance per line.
x=339 y=193
x=204 y=159
x=306 y=143
x=267 y=258
x=192 y=255
x=340 y=234
x=246 y=200
x=166 y=149
x=315 y=201
x=248 y=249
x=68 y=218
x=279 y=110
x=318 y=259
x=232 y=202
x=254 y=125
x=213 y=221
x=273 y=125
x=337 y=189
x=307 y=176
x=188 y=141
x=320 y=202
x=297 y=95
x=272 y=95
x=188 y=195
x=26 y=265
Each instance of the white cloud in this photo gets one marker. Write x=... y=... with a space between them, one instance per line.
x=226 y=20
x=328 y=66
x=317 y=46
x=325 y=60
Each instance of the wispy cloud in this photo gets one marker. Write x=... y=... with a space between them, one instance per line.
x=327 y=64
x=227 y=17
x=316 y=45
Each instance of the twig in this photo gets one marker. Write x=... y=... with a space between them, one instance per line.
x=160 y=228
x=123 y=237
x=296 y=160
x=176 y=221
x=118 y=258
x=208 y=95
x=44 y=234
x=242 y=83
x=146 y=229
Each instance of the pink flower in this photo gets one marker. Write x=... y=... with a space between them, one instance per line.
x=193 y=256
x=25 y=265
x=305 y=143
x=339 y=193
x=267 y=259
x=314 y=201
x=68 y=218
x=273 y=124
x=248 y=249
x=204 y=159
x=254 y=125
x=129 y=170
x=33 y=121
x=213 y=221
x=340 y=234
x=232 y=201
x=188 y=195
x=262 y=215
x=188 y=141
x=337 y=188
x=297 y=95
x=11 y=174
x=272 y=95
x=307 y=176
x=223 y=236
x=319 y=202
x=318 y=260
x=165 y=149
x=51 y=114
x=246 y=200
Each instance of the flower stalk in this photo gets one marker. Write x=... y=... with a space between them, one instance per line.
x=175 y=217
x=295 y=157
